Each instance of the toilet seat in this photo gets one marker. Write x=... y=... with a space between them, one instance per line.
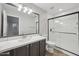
x=50 y=46
x=50 y=43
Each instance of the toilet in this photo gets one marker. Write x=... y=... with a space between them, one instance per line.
x=50 y=46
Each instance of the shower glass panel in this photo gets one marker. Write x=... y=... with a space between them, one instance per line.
x=64 y=32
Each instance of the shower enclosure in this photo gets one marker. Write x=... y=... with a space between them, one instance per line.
x=63 y=31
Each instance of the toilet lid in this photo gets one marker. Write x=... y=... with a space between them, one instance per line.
x=50 y=43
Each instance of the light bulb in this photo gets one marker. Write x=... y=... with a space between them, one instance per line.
x=19 y=7
x=30 y=11
x=25 y=9
x=60 y=9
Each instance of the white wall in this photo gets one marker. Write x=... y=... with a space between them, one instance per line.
x=43 y=24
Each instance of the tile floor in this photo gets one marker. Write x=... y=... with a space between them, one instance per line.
x=56 y=53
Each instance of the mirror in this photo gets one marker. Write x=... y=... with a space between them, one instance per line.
x=14 y=22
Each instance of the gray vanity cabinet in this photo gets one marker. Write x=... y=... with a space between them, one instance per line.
x=38 y=48
x=42 y=47
x=27 y=50
x=21 y=51
x=34 y=49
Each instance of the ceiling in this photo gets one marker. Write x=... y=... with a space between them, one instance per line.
x=53 y=8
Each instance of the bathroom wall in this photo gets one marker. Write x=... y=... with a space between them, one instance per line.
x=43 y=24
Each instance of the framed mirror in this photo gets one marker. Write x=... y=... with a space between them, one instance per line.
x=14 y=22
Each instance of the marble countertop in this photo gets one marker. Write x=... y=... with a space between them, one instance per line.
x=19 y=41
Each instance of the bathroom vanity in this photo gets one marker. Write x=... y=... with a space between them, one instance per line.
x=27 y=46
x=33 y=49
x=15 y=29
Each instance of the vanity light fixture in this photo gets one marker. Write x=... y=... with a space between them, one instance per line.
x=30 y=11
x=19 y=7
x=25 y=9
